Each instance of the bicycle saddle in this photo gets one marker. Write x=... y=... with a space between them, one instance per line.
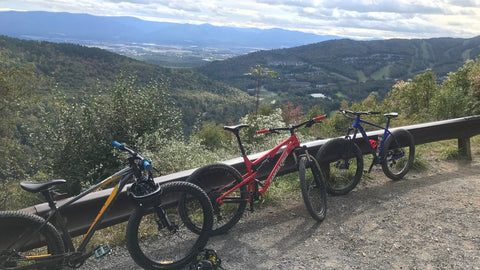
x=391 y=115
x=234 y=128
x=40 y=186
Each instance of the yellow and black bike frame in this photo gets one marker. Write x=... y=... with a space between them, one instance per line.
x=124 y=176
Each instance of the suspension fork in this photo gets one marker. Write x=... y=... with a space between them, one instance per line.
x=163 y=220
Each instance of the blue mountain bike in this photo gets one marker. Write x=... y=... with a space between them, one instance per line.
x=341 y=159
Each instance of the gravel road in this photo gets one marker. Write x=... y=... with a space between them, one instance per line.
x=428 y=220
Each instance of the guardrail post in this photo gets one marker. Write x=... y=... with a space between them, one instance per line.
x=464 y=148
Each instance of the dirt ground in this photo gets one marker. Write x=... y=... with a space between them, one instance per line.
x=428 y=220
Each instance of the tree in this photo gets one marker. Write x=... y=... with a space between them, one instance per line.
x=292 y=114
x=81 y=131
x=426 y=86
x=212 y=136
x=16 y=104
x=460 y=93
x=18 y=109
x=414 y=97
x=473 y=105
x=318 y=129
x=258 y=72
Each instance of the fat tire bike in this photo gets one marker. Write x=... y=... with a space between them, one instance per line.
x=230 y=191
x=341 y=159
x=156 y=236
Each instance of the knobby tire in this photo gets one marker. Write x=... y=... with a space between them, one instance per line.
x=341 y=162
x=35 y=241
x=399 y=143
x=215 y=179
x=313 y=188
x=153 y=245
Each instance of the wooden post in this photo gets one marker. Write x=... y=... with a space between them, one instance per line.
x=464 y=148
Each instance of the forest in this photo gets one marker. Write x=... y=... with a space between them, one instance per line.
x=344 y=69
x=58 y=122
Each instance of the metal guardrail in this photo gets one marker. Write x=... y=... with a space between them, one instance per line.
x=80 y=214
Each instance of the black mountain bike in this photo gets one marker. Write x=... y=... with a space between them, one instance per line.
x=156 y=235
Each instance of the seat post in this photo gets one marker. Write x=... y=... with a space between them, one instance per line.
x=49 y=198
x=236 y=130
x=242 y=150
x=388 y=122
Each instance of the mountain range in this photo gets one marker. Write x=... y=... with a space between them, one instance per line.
x=82 y=28
x=320 y=73
x=343 y=69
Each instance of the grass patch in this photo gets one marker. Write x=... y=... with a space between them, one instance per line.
x=420 y=163
x=361 y=76
x=283 y=188
x=381 y=73
x=475 y=145
x=113 y=235
x=340 y=95
x=450 y=153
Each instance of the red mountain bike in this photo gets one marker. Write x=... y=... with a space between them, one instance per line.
x=230 y=192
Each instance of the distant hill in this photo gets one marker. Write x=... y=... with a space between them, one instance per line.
x=78 y=69
x=344 y=69
x=81 y=28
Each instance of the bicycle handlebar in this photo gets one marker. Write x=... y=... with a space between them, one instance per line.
x=308 y=123
x=145 y=162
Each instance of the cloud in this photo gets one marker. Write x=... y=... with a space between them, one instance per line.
x=353 y=18
x=464 y=3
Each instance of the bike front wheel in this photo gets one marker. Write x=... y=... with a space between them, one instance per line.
x=157 y=237
x=27 y=242
x=341 y=162
x=216 y=179
x=313 y=188
x=398 y=154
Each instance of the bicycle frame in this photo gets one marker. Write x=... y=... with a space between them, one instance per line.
x=253 y=167
x=125 y=175
x=377 y=157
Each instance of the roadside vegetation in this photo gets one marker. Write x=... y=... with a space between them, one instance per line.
x=46 y=133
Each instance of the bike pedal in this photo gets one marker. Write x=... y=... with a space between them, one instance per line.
x=102 y=251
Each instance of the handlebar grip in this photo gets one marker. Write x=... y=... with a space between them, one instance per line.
x=318 y=118
x=263 y=131
x=117 y=144
x=146 y=164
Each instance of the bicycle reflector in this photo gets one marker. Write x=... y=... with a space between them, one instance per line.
x=373 y=143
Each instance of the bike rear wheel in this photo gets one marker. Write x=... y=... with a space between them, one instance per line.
x=216 y=179
x=313 y=188
x=157 y=237
x=26 y=242
x=398 y=154
x=341 y=162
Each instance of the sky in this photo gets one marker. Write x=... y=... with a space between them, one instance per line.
x=356 y=19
